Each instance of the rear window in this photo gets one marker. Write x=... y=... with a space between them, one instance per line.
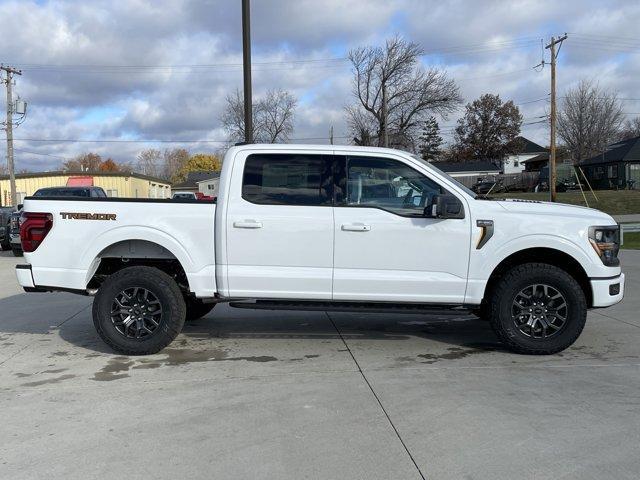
x=287 y=179
x=62 y=192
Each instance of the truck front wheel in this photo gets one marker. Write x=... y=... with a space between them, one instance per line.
x=139 y=310
x=537 y=309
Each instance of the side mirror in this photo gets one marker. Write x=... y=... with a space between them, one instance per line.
x=445 y=206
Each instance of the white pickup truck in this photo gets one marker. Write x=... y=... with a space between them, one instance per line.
x=304 y=227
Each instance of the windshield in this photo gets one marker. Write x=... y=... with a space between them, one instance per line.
x=467 y=190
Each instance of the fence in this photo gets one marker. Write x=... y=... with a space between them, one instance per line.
x=524 y=181
x=628 y=228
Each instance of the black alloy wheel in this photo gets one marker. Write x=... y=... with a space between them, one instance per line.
x=539 y=311
x=136 y=312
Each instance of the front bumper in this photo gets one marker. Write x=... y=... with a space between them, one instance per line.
x=25 y=278
x=607 y=291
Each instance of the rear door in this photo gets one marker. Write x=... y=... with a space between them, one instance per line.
x=279 y=226
x=385 y=248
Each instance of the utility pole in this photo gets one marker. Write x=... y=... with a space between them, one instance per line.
x=246 y=68
x=385 y=114
x=10 y=71
x=552 y=143
x=331 y=135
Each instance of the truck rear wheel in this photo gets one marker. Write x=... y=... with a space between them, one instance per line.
x=537 y=309
x=139 y=310
x=196 y=308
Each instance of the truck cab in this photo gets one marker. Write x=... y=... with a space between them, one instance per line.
x=326 y=227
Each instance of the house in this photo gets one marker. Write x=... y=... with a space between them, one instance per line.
x=470 y=172
x=191 y=183
x=618 y=166
x=530 y=157
x=115 y=184
x=209 y=186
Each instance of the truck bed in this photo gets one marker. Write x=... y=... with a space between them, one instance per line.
x=86 y=231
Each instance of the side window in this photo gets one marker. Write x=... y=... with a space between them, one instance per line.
x=288 y=179
x=388 y=184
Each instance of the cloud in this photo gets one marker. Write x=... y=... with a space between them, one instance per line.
x=91 y=69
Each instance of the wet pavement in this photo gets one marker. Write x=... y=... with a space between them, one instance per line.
x=291 y=395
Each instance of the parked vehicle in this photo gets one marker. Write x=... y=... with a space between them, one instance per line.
x=190 y=196
x=543 y=186
x=565 y=179
x=5 y=220
x=486 y=186
x=184 y=196
x=87 y=192
x=14 y=232
x=325 y=228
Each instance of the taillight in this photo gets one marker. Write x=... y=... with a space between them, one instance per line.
x=34 y=226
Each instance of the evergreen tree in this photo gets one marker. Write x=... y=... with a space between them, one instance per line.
x=430 y=140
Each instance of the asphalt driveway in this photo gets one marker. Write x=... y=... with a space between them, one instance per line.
x=293 y=395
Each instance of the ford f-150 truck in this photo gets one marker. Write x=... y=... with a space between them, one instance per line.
x=325 y=228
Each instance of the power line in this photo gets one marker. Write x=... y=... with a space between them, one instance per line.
x=121 y=140
x=40 y=153
x=143 y=68
x=533 y=101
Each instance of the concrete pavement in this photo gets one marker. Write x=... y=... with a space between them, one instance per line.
x=279 y=395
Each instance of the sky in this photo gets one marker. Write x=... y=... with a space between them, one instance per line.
x=126 y=75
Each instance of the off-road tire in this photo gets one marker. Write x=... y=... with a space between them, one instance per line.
x=164 y=288
x=513 y=281
x=196 y=308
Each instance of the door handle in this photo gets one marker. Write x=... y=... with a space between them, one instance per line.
x=356 y=227
x=247 y=224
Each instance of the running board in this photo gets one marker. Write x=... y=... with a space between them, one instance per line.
x=362 y=307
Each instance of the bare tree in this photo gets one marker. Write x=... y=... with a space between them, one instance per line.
x=630 y=129
x=174 y=160
x=272 y=117
x=150 y=162
x=165 y=165
x=589 y=119
x=275 y=116
x=396 y=93
x=363 y=126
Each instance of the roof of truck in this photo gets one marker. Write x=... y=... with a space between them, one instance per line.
x=316 y=147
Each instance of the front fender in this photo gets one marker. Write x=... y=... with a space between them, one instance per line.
x=490 y=262
x=484 y=261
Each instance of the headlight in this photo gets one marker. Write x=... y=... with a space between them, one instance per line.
x=606 y=242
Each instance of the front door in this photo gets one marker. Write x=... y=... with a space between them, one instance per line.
x=385 y=249
x=279 y=227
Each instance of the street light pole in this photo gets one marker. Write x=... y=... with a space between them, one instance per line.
x=246 y=68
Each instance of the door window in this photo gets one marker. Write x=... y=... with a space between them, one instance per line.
x=389 y=185
x=287 y=179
